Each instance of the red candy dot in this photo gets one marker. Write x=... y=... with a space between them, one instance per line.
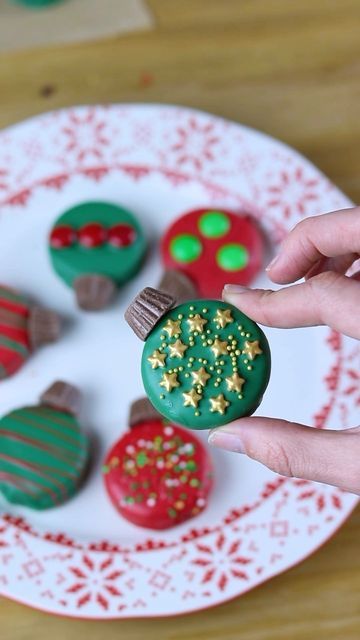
x=92 y=235
x=62 y=237
x=121 y=235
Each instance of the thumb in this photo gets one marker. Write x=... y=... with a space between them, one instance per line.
x=292 y=449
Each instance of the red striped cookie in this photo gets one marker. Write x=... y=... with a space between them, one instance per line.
x=23 y=327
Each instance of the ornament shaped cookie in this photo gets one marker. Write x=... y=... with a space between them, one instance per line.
x=204 y=362
x=23 y=328
x=43 y=452
x=213 y=248
x=157 y=475
x=96 y=247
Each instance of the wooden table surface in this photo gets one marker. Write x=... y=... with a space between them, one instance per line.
x=291 y=69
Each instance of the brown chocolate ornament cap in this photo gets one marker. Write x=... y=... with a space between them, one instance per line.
x=147 y=309
x=142 y=410
x=63 y=397
x=43 y=326
x=178 y=285
x=93 y=292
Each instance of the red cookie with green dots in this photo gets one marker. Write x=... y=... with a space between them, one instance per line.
x=213 y=248
x=23 y=328
x=96 y=247
x=157 y=475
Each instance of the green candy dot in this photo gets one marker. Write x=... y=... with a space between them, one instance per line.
x=232 y=257
x=185 y=248
x=214 y=224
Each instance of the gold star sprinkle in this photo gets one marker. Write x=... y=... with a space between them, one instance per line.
x=223 y=317
x=169 y=381
x=191 y=398
x=219 y=348
x=157 y=359
x=219 y=404
x=200 y=376
x=196 y=323
x=177 y=349
x=234 y=382
x=172 y=328
x=252 y=349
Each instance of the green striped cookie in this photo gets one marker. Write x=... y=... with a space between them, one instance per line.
x=43 y=454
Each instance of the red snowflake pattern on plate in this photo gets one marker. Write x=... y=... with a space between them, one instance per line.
x=293 y=192
x=222 y=563
x=95 y=581
x=194 y=143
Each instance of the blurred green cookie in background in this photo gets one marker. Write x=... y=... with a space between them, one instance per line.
x=36 y=3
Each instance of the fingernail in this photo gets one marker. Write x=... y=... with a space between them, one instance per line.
x=225 y=440
x=272 y=263
x=233 y=289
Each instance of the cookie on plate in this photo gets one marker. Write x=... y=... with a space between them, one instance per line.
x=214 y=247
x=204 y=363
x=96 y=247
x=23 y=328
x=157 y=474
x=43 y=452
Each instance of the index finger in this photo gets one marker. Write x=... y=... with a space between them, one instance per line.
x=329 y=235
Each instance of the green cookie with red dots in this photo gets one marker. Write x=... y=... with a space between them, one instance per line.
x=96 y=247
x=213 y=248
x=157 y=475
x=204 y=362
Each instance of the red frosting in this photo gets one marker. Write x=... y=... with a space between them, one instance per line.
x=62 y=237
x=238 y=230
x=158 y=475
x=92 y=235
x=121 y=235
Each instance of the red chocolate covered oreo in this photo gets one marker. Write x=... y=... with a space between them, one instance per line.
x=214 y=247
x=23 y=328
x=157 y=475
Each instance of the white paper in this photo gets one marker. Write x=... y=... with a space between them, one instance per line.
x=71 y=20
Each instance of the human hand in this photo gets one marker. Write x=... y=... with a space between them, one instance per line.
x=320 y=249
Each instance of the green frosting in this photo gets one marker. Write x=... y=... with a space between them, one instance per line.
x=43 y=456
x=36 y=3
x=119 y=264
x=232 y=257
x=205 y=364
x=185 y=248
x=214 y=224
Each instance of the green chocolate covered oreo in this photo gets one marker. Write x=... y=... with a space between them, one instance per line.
x=43 y=453
x=204 y=362
x=36 y=4
x=94 y=248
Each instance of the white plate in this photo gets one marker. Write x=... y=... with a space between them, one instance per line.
x=82 y=559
